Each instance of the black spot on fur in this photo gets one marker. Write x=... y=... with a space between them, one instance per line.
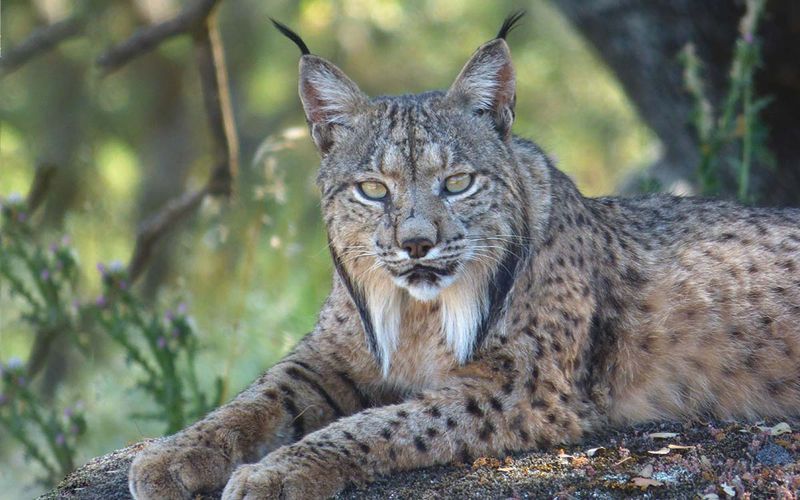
x=420 y=445
x=473 y=408
x=298 y=426
x=774 y=387
x=298 y=375
x=434 y=412
x=496 y=404
x=486 y=430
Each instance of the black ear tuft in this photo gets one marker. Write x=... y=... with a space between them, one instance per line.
x=291 y=35
x=510 y=23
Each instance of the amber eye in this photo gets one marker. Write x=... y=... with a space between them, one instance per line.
x=458 y=183
x=373 y=190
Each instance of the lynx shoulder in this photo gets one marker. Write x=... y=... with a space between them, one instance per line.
x=482 y=305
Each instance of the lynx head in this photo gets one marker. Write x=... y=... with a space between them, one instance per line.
x=421 y=195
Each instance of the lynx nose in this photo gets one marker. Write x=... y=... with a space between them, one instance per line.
x=417 y=247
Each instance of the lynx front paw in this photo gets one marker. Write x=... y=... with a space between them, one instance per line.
x=255 y=482
x=268 y=481
x=174 y=472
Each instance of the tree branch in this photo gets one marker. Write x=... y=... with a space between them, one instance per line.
x=39 y=186
x=146 y=39
x=38 y=42
x=210 y=57
x=159 y=224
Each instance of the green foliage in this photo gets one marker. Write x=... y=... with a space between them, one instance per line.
x=738 y=123
x=48 y=437
x=162 y=348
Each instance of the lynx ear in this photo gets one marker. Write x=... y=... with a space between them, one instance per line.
x=486 y=84
x=329 y=98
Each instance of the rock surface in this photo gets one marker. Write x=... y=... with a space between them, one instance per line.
x=717 y=459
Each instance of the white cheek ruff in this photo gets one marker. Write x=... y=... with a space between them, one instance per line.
x=385 y=305
x=463 y=307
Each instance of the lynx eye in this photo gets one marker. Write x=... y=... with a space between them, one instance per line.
x=373 y=190
x=456 y=184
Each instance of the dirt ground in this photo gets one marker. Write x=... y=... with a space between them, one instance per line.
x=668 y=460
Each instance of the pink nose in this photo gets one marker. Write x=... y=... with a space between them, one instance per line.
x=417 y=247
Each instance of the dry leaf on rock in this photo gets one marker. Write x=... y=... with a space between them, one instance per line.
x=644 y=483
x=660 y=451
x=679 y=447
x=595 y=451
x=662 y=435
x=728 y=489
x=776 y=430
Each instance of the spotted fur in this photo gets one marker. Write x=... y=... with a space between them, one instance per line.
x=537 y=315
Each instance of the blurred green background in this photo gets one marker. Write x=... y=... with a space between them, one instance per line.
x=255 y=270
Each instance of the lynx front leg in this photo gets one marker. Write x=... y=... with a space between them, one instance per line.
x=442 y=427
x=308 y=389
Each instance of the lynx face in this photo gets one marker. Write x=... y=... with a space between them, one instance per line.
x=420 y=196
x=414 y=208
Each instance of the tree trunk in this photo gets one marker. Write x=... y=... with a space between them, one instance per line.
x=640 y=41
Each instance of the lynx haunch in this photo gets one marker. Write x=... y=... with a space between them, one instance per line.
x=481 y=305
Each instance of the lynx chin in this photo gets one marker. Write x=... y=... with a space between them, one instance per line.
x=481 y=305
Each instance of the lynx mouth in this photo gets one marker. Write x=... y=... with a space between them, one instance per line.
x=425 y=282
x=420 y=274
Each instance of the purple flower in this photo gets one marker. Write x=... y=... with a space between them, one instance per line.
x=60 y=439
x=68 y=412
x=161 y=342
x=44 y=275
x=54 y=247
x=14 y=363
x=169 y=315
x=21 y=381
x=100 y=301
x=74 y=430
x=22 y=217
x=748 y=38
x=182 y=308
x=3 y=399
x=102 y=268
